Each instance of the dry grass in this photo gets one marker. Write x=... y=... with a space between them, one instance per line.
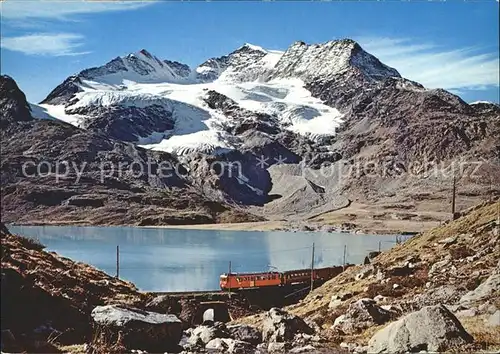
x=422 y=244
x=485 y=337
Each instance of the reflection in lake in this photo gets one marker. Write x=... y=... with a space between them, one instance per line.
x=158 y=259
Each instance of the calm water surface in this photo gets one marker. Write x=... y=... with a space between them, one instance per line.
x=157 y=259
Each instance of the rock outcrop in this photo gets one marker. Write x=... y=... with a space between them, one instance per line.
x=245 y=333
x=485 y=290
x=119 y=328
x=281 y=326
x=433 y=329
x=361 y=315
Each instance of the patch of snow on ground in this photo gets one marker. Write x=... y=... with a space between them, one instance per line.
x=59 y=113
x=208 y=141
x=40 y=112
x=482 y=102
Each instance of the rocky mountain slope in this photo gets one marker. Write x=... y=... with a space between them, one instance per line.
x=452 y=269
x=54 y=172
x=48 y=296
x=300 y=132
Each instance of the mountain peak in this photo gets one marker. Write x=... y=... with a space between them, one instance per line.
x=325 y=60
x=145 y=53
x=242 y=57
x=13 y=104
x=138 y=67
x=253 y=47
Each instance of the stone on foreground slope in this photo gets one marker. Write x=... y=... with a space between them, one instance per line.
x=134 y=328
x=433 y=328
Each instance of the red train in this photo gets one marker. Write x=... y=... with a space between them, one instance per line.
x=235 y=281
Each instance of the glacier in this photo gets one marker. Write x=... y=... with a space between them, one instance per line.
x=245 y=76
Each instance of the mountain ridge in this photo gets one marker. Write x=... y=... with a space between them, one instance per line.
x=312 y=108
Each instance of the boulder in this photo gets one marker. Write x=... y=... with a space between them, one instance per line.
x=380 y=298
x=449 y=240
x=86 y=201
x=245 y=333
x=164 y=304
x=362 y=314
x=494 y=319
x=402 y=271
x=189 y=312
x=353 y=347
x=205 y=334
x=130 y=328
x=433 y=328
x=466 y=313
x=438 y=267
x=277 y=347
x=214 y=311
x=335 y=302
x=365 y=271
x=484 y=290
x=281 y=326
x=230 y=346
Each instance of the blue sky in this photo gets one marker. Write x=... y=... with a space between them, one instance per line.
x=451 y=44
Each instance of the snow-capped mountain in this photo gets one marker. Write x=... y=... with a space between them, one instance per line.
x=324 y=61
x=161 y=104
x=322 y=103
x=247 y=63
x=139 y=67
x=284 y=118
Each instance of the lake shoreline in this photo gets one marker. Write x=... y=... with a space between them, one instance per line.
x=357 y=218
x=256 y=226
x=192 y=260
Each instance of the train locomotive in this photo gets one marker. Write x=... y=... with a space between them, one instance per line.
x=239 y=281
